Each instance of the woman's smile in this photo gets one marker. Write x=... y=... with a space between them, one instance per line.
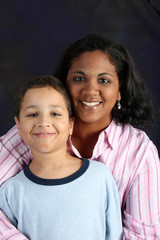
x=93 y=84
x=90 y=104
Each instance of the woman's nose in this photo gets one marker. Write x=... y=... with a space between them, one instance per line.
x=91 y=88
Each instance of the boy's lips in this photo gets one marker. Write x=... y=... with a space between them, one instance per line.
x=43 y=135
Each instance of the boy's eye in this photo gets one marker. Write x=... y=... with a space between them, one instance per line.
x=55 y=114
x=32 y=115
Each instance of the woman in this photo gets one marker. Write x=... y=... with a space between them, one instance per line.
x=110 y=99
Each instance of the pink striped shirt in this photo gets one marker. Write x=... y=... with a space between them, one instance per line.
x=134 y=162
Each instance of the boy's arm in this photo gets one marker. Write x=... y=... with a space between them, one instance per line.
x=7 y=230
x=14 y=156
x=114 y=228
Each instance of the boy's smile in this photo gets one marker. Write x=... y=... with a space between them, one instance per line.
x=44 y=122
x=43 y=134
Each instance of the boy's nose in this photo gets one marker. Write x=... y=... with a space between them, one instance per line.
x=44 y=122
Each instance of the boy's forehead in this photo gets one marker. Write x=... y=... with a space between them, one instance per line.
x=43 y=95
x=44 y=91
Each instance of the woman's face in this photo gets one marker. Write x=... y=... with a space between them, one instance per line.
x=93 y=83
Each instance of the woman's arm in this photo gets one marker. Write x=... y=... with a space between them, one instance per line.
x=8 y=231
x=14 y=156
x=141 y=216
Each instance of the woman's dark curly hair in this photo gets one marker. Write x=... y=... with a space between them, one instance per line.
x=136 y=104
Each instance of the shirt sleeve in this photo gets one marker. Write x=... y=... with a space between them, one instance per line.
x=113 y=213
x=14 y=156
x=141 y=214
x=8 y=231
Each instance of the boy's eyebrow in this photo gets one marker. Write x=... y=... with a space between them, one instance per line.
x=36 y=106
x=31 y=106
x=55 y=106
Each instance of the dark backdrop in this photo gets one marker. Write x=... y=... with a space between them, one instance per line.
x=34 y=33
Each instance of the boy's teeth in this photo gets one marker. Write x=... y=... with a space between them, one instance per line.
x=90 y=103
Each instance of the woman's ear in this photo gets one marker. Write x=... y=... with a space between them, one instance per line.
x=71 y=125
x=18 y=125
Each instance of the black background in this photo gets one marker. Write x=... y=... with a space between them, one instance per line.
x=34 y=33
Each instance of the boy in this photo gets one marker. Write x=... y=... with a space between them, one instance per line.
x=57 y=196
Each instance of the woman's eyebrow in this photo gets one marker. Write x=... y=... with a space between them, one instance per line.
x=105 y=73
x=80 y=72
x=100 y=74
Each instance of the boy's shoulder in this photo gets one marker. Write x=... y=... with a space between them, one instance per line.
x=99 y=168
x=13 y=181
x=101 y=176
x=99 y=165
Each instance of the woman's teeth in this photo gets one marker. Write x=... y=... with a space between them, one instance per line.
x=91 y=104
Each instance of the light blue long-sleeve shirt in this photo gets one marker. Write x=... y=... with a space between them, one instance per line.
x=84 y=205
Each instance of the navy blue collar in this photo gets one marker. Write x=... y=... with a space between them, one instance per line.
x=59 y=181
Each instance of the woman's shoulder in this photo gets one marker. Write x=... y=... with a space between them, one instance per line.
x=136 y=137
x=124 y=134
x=130 y=131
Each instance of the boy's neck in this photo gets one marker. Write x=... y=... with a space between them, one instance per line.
x=55 y=166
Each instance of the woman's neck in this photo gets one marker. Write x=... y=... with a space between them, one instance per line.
x=85 y=136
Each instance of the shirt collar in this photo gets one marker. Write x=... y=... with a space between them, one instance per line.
x=112 y=134
x=109 y=137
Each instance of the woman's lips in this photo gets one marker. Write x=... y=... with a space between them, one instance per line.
x=90 y=104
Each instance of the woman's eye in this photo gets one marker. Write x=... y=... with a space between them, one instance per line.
x=104 y=80
x=78 y=79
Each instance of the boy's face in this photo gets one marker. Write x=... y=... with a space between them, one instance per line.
x=44 y=122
